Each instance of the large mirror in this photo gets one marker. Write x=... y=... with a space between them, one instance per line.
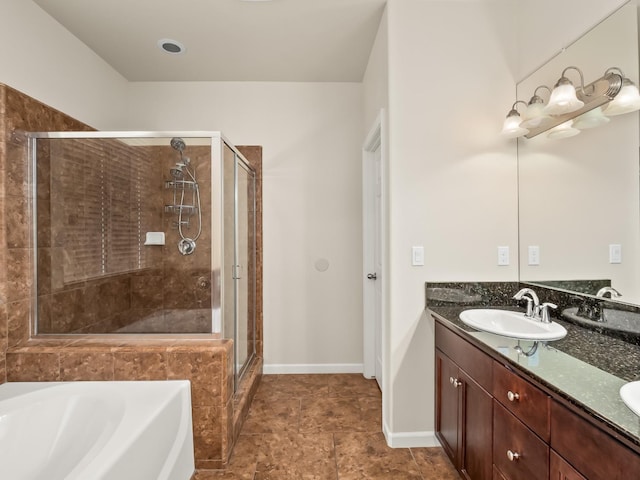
x=579 y=197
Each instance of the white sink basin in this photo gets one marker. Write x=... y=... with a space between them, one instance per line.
x=630 y=394
x=512 y=324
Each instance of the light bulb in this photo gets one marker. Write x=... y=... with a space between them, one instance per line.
x=627 y=100
x=563 y=99
x=564 y=130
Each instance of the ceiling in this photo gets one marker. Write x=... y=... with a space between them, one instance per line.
x=227 y=40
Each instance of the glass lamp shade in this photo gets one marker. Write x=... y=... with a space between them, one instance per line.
x=591 y=119
x=511 y=127
x=564 y=130
x=534 y=116
x=563 y=99
x=627 y=100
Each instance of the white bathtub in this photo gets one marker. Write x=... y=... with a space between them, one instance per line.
x=96 y=430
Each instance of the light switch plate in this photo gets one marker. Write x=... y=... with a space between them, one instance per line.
x=417 y=256
x=503 y=256
x=615 y=253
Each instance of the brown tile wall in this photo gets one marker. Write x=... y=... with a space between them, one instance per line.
x=187 y=278
x=204 y=360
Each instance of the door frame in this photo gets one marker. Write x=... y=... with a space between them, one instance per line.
x=375 y=139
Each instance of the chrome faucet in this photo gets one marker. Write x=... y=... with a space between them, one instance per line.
x=610 y=290
x=535 y=310
x=533 y=302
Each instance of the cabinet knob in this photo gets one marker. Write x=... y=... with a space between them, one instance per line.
x=455 y=382
x=512 y=456
x=513 y=396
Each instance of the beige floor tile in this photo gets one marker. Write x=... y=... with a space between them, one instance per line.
x=296 y=456
x=434 y=464
x=352 y=385
x=363 y=456
x=268 y=416
x=323 y=427
x=339 y=414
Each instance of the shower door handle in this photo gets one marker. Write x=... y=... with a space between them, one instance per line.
x=237 y=272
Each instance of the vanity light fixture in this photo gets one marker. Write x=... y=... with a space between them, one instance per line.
x=563 y=97
x=534 y=115
x=511 y=127
x=564 y=130
x=568 y=103
x=627 y=100
x=591 y=119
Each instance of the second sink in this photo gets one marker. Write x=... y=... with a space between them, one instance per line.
x=512 y=324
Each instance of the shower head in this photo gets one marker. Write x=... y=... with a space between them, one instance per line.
x=178 y=144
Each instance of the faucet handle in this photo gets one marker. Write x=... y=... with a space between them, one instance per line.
x=529 y=304
x=544 y=311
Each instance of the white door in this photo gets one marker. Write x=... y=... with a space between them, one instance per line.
x=377 y=257
x=373 y=252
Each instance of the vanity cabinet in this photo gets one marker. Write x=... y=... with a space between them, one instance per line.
x=561 y=470
x=594 y=453
x=496 y=424
x=520 y=426
x=464 y=406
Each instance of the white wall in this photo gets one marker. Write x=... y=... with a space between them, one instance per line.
x=41 y=58
x=545 y=27
x=311 y=135
x=452 y=179
x=375 y=83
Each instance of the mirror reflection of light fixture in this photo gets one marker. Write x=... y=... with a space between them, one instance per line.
x=627 y=100
x=534 y=115
x=511 y=127
x=564 y=130
x=591 y=119
x=563 y=97
x=568 y=103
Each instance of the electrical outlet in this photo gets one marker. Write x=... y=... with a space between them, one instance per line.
x=534 y=255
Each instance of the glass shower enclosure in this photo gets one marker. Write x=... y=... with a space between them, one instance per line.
x=145 y=233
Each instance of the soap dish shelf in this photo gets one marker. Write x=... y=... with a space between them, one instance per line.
x=180 y=184
x=177 y=209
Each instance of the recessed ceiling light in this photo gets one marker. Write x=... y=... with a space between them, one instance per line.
x=171 y=46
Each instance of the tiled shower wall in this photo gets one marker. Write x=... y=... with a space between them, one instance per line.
x=202 y=359
x=18 y=112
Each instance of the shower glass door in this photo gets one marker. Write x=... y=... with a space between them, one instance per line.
x=239 y=258
x=245 y=285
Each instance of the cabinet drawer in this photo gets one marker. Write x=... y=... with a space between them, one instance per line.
x=561 y=470
x=530 y=458
x=525 y=401
x=596 y=454
x=472 y=360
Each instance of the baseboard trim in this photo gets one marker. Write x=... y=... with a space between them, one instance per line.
x=410 y=439
x=275 y=368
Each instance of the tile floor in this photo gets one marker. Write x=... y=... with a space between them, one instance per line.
x=323 y=427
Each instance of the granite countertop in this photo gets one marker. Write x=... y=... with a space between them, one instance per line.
x=586 y=368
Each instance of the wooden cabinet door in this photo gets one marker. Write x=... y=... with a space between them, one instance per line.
x=477 y=430
x=448 y=406
x=561 y=470
x=518 y=453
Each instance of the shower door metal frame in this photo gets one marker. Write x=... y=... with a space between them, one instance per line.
x=241 y=162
